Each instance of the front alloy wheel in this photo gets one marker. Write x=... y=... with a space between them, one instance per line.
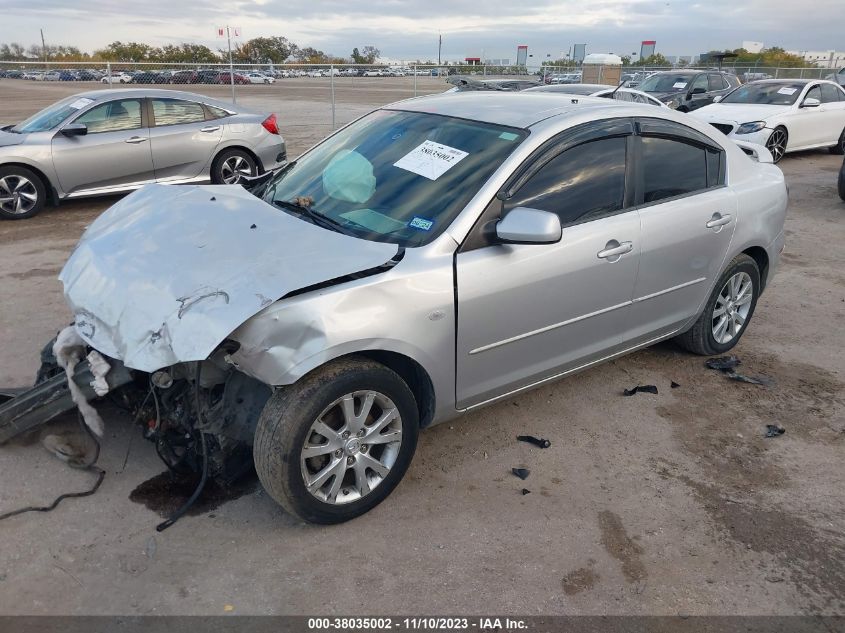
x=351 y=447
x=335 y=444
x=777 y=144
x=22 y=194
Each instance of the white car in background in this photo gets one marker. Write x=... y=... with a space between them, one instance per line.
x=258 y=78
x=117 y=78
x=785 y=115
x=601 y=90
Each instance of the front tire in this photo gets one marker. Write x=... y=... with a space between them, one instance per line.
x=776 y=143
x=22 y=193
x=336 y=443
x=727 y=312
x=232 y=165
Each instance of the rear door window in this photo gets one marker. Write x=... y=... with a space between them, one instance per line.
x=717 y=82
x=830 y=93
x=672 y=168
x=176 y=112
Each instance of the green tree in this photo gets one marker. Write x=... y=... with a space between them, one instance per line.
x=188 y=53
x=370 y=54
x=357 y=58
x=262 y=50
x=129 y=52
x=653 y=60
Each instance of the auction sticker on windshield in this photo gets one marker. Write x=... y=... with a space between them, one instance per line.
x=679 y=84
x=787 y=91
x=81 y=103
x=430 y=160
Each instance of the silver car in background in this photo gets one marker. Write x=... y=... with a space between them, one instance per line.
x=113 y=141
x=435 y=256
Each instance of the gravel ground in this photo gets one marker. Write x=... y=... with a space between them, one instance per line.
x=656 y=504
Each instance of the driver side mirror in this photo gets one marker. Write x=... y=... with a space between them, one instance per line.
x=75 y=129
x=528 y=226
x=810 y=102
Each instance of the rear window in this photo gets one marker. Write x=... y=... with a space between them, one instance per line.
x=176 y=112
x=672 y=168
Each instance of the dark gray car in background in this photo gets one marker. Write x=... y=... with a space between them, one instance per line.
x=113 y=141
x=688 y=90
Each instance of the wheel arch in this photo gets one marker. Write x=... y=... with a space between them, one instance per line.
x=52 y=193
x=761 y=258
x=243 y=148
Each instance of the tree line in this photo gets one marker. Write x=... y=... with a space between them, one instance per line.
x=768 y=57
x=259 y=50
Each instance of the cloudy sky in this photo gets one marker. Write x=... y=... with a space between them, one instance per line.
x=405 y=29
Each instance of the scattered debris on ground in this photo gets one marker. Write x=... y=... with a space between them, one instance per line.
x=536 y=441
x=522 y=473
x=728 y=364
x=525 y=491
x=773 y=430
x=674 y=385
x=641 y=389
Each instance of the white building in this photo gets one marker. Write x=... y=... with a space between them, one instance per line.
x=825 y=59
x=753 y=47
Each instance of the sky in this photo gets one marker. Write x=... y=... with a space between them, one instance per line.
x=408 y=30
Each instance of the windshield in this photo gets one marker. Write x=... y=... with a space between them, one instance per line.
x=52 y=116
x=765 y=93
x=398 y=177
x=666 y=83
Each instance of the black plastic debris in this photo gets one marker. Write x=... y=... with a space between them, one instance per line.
x=640 y=389
x=536 y=441
x=213 y=198
x=753 y=380
x=773 y=430
x=522 y=473
x=723 y=363
x=525 y=491
x=254 y=226
x=674 y=385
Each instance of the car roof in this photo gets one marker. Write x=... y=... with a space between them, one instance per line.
x=162 y=93
x=514 y=109
x=802 y=82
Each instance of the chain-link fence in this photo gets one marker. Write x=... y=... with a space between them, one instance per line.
x=313 y=96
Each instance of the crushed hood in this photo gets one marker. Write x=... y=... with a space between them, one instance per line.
x=167 y=273
x=7 y=139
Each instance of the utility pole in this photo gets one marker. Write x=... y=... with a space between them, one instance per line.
x=231 y=67
x=439 y=47
x=43 y=46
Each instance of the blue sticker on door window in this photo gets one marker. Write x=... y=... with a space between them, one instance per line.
x=421 y=223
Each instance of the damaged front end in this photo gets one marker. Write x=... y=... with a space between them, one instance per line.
x=157 y=284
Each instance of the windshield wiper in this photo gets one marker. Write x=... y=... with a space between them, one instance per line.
x=316 y=218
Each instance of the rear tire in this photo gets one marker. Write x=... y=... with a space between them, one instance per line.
x=22 y=193
x=839 y=148
x=351 y=463
x=842 y=182
x=231 y=165
x=726 y=306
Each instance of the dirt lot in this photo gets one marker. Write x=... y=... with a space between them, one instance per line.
x=656 y=504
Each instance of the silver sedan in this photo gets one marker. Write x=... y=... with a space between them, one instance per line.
x=433 y=257
x=113 y=141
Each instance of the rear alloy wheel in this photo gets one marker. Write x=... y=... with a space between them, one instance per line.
x=22 y=193
x=335 y=444
x=231 y=166
x=839 y=148
x=728 y=310
x=777 y=143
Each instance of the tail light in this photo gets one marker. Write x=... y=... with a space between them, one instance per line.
x=270 y=124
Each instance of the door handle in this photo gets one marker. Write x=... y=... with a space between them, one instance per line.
x=210 y=128
x=136 y=139
x=613 y=250
x=718 y=220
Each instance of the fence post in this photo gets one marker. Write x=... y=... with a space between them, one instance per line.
x=415 y=80
x=108 y=71
x=331 y=75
